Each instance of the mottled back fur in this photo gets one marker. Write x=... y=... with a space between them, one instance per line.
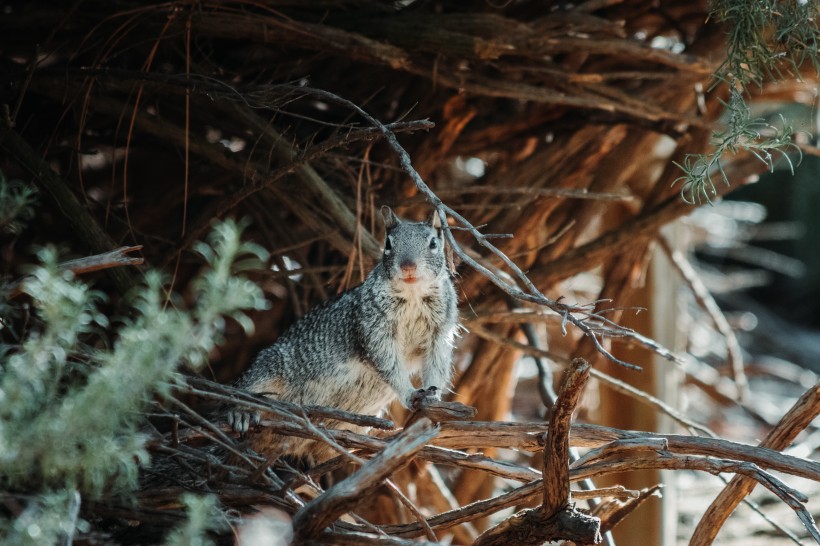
x=358 y=351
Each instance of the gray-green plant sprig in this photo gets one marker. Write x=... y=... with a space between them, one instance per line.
x=16 y=204
x=767 y=40
x=754 y=135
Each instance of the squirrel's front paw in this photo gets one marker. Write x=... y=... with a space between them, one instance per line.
x=419 y=397
x=241 y=421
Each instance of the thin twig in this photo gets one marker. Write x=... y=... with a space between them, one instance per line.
x=113 y=258
x=615 y=384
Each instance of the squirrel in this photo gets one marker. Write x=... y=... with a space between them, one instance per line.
x=359 y=350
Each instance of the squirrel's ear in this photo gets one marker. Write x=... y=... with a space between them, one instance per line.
x=435 y=220
x=390 y=218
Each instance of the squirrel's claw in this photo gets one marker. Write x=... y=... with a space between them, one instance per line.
x=241 y=421
x=418 y=397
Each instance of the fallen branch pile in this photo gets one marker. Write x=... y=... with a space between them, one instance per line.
x=430 y=450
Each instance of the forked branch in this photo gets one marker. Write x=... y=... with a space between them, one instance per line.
x=556 y=518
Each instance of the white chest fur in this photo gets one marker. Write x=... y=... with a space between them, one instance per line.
x=415 y=325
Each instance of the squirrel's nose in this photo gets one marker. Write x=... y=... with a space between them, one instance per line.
x=408 y=267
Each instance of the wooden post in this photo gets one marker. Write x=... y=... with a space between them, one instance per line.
x=654 y=522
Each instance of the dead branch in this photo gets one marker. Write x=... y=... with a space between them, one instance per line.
x=614 y=492
x=113 y=258
x=539 y=192
x=608 y=380
x=780 y=437
x=439 y=411
x=549 y=398
x=232 y=395
x=627 y=460
x=355 y=538
x=630 y=450
x=556 y=519
x=614 y=511
x=527 y=436
x=534 y=528
x=321 y=512
x=662 y=459
x=556 y=448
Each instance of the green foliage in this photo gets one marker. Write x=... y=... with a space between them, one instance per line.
x=16 y=204
x=766 y=39
x=754 y=135
x=69 y=412
x=766 y=36
x=203 y=516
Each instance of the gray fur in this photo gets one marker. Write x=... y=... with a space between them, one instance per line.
x=359 y=350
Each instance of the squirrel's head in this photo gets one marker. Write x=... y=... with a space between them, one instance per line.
x=413 y=251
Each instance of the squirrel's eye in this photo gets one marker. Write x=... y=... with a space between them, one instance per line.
x=433 y=243
x=388 y=246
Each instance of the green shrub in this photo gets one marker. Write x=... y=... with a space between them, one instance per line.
x=70 y=410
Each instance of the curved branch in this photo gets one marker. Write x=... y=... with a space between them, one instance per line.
x=780 y=437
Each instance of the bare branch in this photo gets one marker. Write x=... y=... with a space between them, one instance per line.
x=613 y=512
x=556 y=448
x=113 y=258
x=325 y=509
x=555 y=519
x=780 y=437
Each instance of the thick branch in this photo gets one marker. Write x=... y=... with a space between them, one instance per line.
x=556 y=450
x=326 y=508
x=555 y=519
x=533 y=527
x=780 y=437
